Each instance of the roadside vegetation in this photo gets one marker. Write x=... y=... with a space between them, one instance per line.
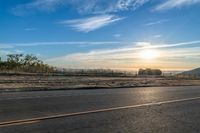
x=27 y=72
x=95 y=72
x=24 y=63
x=29 y=64
x=148 y=71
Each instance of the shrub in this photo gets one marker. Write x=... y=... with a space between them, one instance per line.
x=149 y=71
x=24 y=63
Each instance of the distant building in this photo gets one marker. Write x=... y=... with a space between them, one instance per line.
x=148 y=71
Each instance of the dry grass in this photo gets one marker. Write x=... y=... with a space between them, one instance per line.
x=75 y=82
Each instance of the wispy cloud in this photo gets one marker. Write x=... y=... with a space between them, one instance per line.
x=6 y=49
x=105 y=6
x=5 y=46
x=94 y=6
x=128 y=45
x=82 y=6
x=5 y=52
x=124 y=5
x=157 y=36
x=122 y=55
x=81 y=43
x=18 y=51
x=36 y=5
x=30 y=29
x=92 y=23
x=117 y=35
x=157 y=22
x=169 y=4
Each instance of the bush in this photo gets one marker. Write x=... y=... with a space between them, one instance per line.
x=149 y=71
x=24 y=63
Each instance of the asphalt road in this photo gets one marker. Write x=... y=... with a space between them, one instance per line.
x=126 y=110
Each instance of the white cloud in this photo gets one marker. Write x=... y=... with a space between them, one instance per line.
x=105 y=6
x=112 y=57
x=5 y=46
x=41 y=5
x=157 y=36
x=128 y=45
x=94 y=6
x=130 y=4
x=157 y=22
x=6 y=49
x=30 y=29
x=79 y=43
x=18 y=51
x=143 y=44
x=92 y=23
x=5 y=52
x=117 y=35
x=82 y=6
x=169 y=4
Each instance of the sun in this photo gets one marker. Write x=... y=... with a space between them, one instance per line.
x=148 y=54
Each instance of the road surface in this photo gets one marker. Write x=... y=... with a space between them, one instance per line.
x=125 y=110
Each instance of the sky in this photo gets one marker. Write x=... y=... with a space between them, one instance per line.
x=108 y=34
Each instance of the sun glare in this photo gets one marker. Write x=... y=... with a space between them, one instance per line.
x=148 y=54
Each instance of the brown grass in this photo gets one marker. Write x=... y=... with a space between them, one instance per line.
x=75 y=82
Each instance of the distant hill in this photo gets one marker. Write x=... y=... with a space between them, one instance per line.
x=194 y=72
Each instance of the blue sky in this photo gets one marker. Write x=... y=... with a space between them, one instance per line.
x=102 y=33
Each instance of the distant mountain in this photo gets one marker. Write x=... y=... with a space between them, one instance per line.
x=194 y=72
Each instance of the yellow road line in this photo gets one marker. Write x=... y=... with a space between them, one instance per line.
x=38 y=119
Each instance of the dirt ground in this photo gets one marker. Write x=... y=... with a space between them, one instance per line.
x=9 y=83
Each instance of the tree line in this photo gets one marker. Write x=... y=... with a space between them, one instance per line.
x=149 y=71
x=95 y=72
x=24 y=63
